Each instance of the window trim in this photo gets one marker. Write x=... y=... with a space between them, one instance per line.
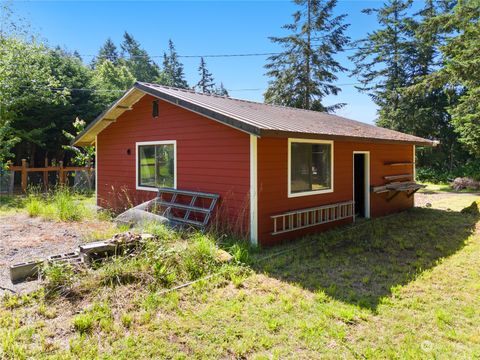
x=137 y=156
x=289 y=171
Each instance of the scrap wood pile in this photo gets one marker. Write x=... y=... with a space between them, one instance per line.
x=119 y=244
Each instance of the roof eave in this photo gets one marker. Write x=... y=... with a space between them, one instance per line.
x=124 y=103
x=301 y=135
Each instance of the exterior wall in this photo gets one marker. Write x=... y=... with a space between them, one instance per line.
x=211 y=157
x=273 y=191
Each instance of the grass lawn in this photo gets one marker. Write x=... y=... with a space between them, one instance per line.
x=403 y=286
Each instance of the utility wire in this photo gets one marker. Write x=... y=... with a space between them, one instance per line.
x=211 y=55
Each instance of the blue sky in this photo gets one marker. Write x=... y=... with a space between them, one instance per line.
x=197 y=28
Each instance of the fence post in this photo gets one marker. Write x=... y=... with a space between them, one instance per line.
x=45 y=175
x=61 y=179
x=24 y=175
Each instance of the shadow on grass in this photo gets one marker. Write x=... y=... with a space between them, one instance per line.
x=364 y=263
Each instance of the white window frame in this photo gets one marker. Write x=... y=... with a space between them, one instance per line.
x=289 y=176
x=137 y=156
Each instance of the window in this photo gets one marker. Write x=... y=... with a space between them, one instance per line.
x=156 y=165
x=310 y=167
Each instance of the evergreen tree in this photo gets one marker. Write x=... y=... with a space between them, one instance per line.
x=205 y=84
x=137 y=60
x=461 y=69
x=303 y=74
x=221 y=91
x=172 y=72
x=391 y=61
x=383 y=58
x=108 y=51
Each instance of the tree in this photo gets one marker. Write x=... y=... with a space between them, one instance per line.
x=206 y=84
x=137 y=60
x=39 y=124
x=383 y=58
x=172 y=72
x=461 y=70
x=303 y=74
x=108 y=51
x=83 y=156
x=391 y=61
x=221 y=91
x=111 y=81
x=24 y=78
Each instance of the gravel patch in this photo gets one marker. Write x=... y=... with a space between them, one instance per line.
x=23 y=238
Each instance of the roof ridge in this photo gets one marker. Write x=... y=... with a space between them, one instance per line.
x=192 y=91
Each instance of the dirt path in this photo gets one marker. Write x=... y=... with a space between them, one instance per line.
x=23 y=238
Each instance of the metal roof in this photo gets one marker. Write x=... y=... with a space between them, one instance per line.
x=259 y=119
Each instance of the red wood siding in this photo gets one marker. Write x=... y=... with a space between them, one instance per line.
x=273 y=191
x=211 y=157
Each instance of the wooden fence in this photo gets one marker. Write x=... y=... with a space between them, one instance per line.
x=60 y=169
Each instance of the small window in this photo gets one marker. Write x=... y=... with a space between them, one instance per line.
x=156 y=165
x=311 y=167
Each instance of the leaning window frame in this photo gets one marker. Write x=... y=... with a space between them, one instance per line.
x=137 y=159
x=289 y=170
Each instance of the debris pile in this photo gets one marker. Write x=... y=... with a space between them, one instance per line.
x=121 y=243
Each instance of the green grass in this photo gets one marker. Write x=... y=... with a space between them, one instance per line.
x=60 y=204
x=404 y=287
x=11 y=204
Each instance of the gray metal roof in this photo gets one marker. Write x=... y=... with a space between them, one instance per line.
x=271 y=120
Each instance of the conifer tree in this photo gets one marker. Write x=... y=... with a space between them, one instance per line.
x=172 y=72
x=460 y=72
x=221 y=91
x=137 y=60
x=205 y=84
x=304 y=73
x=391 y=61
x=108 y=51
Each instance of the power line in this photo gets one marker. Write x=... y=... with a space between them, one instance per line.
x=211 y=55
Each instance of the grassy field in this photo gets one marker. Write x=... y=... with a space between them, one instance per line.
x=403 y=286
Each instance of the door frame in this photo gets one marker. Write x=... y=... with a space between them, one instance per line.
x=367 y=180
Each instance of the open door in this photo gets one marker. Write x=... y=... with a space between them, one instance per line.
x=361 y=183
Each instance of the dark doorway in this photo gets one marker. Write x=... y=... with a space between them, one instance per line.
x=359 y=183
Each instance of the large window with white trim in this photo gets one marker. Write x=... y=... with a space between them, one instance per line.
x=156 y=164
x=310 y=167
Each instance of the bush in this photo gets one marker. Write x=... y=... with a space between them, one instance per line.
x=470 y=169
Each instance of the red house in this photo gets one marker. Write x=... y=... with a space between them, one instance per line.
x=280 y=172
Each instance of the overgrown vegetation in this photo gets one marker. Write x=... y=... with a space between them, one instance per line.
x=61 y=204
x=327 y=296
